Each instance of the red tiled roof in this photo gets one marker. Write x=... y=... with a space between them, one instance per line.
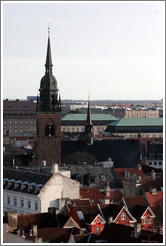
x=117 y=233
x=135 y=200
x=120 y=172
x=80 y=202
x=115 y=196
x=94 y=194
x=155 y=199
x=52 y=234
x=25 y=221
x=149 y=183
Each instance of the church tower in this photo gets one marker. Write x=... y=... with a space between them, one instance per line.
x=48 y=136
x=89 y=127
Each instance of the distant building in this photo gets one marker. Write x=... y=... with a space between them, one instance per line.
x=75 y=122
x=154 y=156
x=19 y=117
x=142 y=113
x=130 y=127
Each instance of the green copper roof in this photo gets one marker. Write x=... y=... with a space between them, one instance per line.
x=82 y=117
x=138 y=122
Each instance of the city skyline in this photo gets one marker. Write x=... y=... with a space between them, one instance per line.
x=114 y=50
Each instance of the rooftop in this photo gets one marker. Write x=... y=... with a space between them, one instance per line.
x=138 y=122
x=82 y=117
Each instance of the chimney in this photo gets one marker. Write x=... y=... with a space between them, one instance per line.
x=12 y=219
x=38 y=240
x=139 y=178
x=107 y=189
x=137 y=229
x=139 y=167
x=153 y=175
x=110 y=220
x=55 y=168
x=106 y=201
x=153 y=191
x=35 y=230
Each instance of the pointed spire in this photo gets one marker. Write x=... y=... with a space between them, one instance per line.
x=48 y=64
x=89 y=120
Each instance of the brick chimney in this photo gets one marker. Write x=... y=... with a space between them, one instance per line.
x=153 y=175
x=107 y=189
x=55 y=168
x=137 y=229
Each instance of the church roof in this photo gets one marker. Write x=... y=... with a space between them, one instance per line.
x=83 y=117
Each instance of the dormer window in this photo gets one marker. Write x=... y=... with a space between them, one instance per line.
x=126 y=175
x=80 y=215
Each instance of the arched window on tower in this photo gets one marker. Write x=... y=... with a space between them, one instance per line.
x=50 y=129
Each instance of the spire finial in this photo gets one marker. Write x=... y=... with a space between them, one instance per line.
x=48 y=27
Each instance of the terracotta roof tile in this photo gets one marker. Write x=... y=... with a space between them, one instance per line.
x=149 y=183
x=120 y=172
x=154 y=200
x=135 y=200
x=94 y=194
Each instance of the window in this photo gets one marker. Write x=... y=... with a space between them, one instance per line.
x=15 y=201
x=123 y=216
x=151 y=155
x=103 y=179
x=8 y=200
x=150 y=163
x=160 y=163
x=97 y=228
x=149 y=221
x=144 y=221
x=29 y=204
x=93 y=229
x=101 y=228
x=22 y=203
x=36 y=205
x=155 y=163
x=127 y=175
x=80 y=215
x=160 y=156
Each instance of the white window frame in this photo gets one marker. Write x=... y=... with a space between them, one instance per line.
x=144 y=221
x=97 y=228
x=123 y=216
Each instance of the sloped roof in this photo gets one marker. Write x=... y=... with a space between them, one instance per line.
x=117 y=233
x=94 y=194
x=120 y=172
x=83 y=117
x=138 y=122
x=115 y=196
x=124 y=153
x=42 y=220
x=131 y=202
x=111 y=210
x=149 y=183
x=53 y=235
x=80 y=202
x=138 y=211
x=154 y=198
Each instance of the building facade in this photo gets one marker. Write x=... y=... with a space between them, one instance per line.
x=34 y=192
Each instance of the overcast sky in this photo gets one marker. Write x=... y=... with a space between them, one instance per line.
x=115 y=50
